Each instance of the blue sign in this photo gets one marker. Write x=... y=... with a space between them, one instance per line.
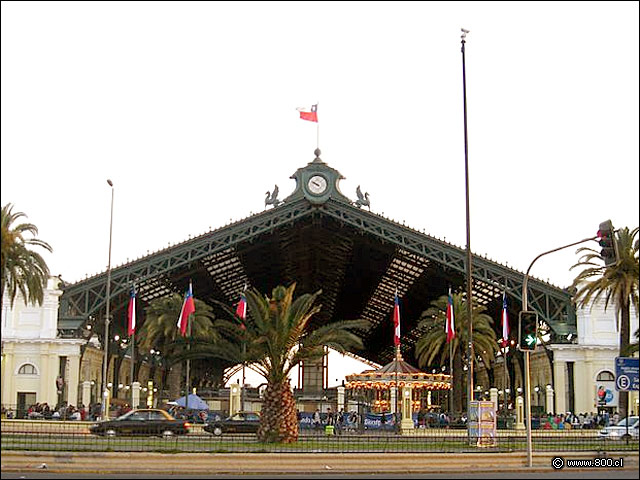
x=626 y=374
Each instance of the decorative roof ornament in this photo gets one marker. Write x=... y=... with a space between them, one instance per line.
x=272 y=198
x=363 y=200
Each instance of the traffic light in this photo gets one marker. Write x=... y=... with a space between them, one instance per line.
x=607 y=241
x=527 y=331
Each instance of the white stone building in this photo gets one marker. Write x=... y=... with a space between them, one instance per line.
x=581 y=369
x=36 y=365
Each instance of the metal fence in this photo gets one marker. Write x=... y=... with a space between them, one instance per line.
x=75 y=436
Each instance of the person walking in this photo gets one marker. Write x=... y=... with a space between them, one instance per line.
x=315 y=420
x=340 y=419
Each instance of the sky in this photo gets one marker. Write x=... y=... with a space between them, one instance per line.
x=190 y=109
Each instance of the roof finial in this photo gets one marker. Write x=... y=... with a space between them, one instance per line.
x=317 y=153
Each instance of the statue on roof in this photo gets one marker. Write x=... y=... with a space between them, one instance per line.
x=272 y=198
x=362 y=199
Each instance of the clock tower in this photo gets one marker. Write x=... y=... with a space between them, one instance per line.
x=317 y=182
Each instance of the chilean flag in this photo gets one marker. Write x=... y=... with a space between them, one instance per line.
x=396 y=321
x=131 y=313
x=188 y=307
x=241 y=310
x=309 y=114
x=505 y=321
x=450 y=327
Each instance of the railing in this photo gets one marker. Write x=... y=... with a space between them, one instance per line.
x=36 y=435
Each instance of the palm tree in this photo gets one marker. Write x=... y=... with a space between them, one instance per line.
x=23 y=270
x=433 y=345
x=617 y=283
x=160 y=332
x=633 y=346
x=278 y=337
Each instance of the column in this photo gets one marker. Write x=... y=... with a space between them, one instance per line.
x=560 y=386
x=136 y=394
x=549 y=399
x=340 y=398
x=74 y=379
x=393 y=401
x=493 y=395
x=407 y=420
x=86 y=394
x=519 y=413
x=52 y=373
x=234 y=399
x=8 y=386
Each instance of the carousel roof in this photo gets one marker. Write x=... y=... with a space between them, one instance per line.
x=398 y=371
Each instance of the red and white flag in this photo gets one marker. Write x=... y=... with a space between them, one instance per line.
x=241 y=310
x=131 y=313
x=449 y=326
x=309 y=114
x=396 y=321
x=188 y=307
x=505 y=321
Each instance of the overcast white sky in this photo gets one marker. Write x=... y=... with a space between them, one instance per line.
x=189 y=107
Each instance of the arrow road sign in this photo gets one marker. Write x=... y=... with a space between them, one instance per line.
x=626 y=374
x=530 y=339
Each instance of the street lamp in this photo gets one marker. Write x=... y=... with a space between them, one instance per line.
x=105 y=363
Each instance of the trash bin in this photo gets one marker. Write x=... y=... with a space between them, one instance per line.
x=328 y=429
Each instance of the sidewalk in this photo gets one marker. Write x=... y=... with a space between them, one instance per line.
x=266 y=463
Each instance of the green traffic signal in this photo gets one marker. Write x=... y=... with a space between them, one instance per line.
x=527 y=331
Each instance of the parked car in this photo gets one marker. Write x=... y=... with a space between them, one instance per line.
x=618 y=431
x=144 y=421
x=240 y=422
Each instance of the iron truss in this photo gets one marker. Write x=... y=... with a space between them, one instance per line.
x=490 y=279
x=226 y=259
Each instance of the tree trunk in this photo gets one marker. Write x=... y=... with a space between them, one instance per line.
x=279 y=421
x=175 y=381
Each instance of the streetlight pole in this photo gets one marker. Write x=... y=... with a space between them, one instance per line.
x=469 y=285
x=527 y=361
x=105 y=363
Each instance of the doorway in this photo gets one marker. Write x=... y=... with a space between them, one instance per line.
x=25 y=400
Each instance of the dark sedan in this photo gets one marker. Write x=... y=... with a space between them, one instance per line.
x=240 y=422
x=146 y=421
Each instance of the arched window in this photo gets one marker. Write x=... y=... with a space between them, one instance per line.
x=605 y=376
x=27 y=369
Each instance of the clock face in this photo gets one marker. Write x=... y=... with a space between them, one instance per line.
x=317 y=184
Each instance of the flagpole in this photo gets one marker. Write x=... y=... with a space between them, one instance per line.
x=188 y=373
x=451 y=373
x=470 y=353
x=504 y=388
x=133 y=346
x=133 y=363
x=244 y=354
x=397 y=366
x=317 y=129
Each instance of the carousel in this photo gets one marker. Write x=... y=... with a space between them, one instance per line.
x=419 y=390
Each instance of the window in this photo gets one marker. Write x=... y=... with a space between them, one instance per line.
x=27 y=369
x=605 y=376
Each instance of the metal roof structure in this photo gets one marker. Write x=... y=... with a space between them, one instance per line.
x=320 y=239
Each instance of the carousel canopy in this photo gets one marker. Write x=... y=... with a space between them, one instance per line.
x=401 y=372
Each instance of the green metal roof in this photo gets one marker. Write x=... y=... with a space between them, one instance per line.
x=321 y=241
